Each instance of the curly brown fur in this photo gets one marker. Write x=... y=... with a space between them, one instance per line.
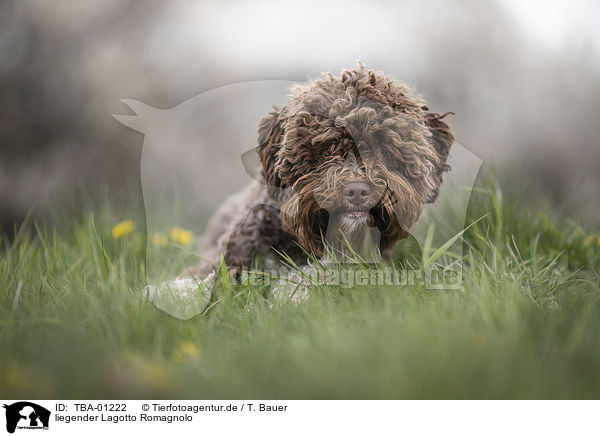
x=360 y=129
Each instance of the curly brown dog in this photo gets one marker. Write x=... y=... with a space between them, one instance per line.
x=343 y=154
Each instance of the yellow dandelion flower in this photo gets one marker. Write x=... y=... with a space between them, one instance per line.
x=17 y=378
x=160 y=240
x=186 y=350
x=133 y=372
x=591 y=239
x=123 y=228
x=182 y=236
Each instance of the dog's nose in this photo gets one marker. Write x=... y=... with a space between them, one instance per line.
x=357 y=193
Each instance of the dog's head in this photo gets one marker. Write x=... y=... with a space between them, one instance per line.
x=349 y=151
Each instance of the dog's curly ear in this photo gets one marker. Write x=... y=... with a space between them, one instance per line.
x=270 y=136
x=442 y=138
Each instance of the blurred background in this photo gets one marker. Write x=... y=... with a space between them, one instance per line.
x=521 y=77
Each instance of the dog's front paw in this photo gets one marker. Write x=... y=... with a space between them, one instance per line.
x=182 y=298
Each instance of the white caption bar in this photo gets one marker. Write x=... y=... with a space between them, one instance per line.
x=162 y=417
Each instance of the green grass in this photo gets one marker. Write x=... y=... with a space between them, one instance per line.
x=73 y=323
